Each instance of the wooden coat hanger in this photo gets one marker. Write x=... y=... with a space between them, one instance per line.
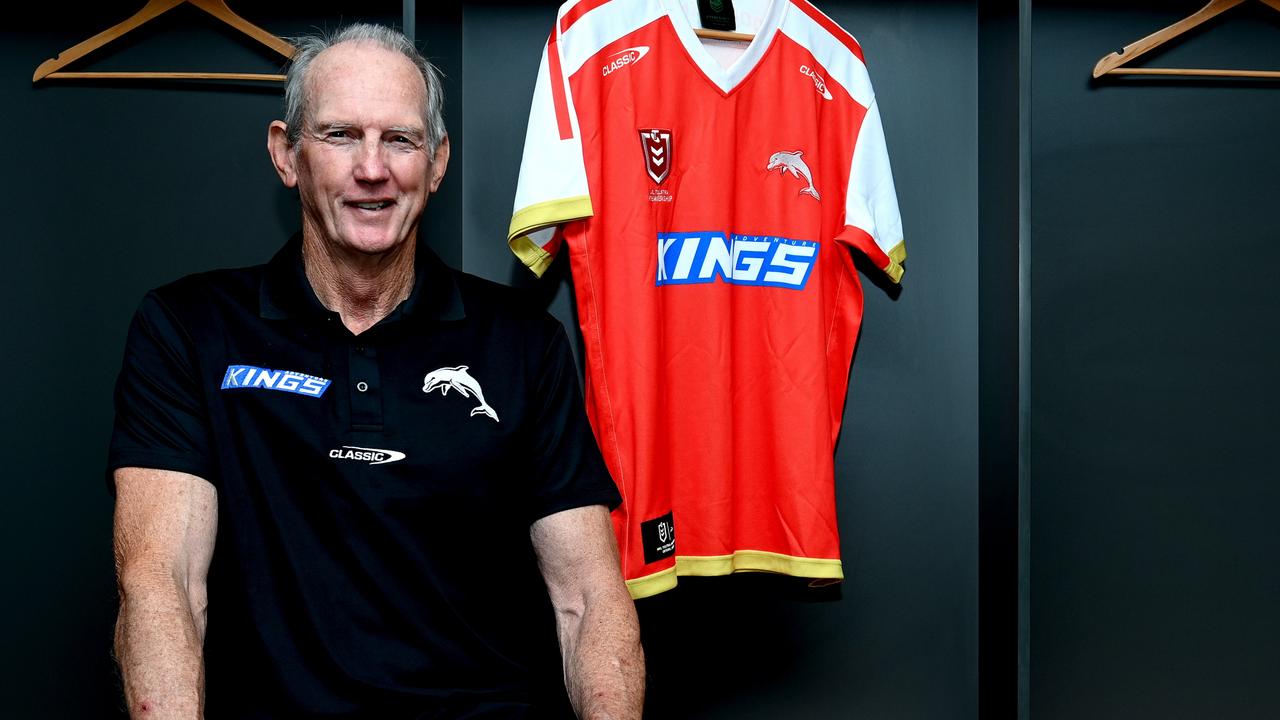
x=1114 y=64
x=722 y=35
x=154 y=8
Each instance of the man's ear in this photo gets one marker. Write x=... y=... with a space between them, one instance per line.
x=281 y=154
x=439 y=163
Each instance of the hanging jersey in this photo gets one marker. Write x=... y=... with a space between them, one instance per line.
x=709 y=214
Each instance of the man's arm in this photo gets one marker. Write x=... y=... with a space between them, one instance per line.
x=165 y=524
x=595 y=616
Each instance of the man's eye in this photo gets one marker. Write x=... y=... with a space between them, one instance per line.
x=402 y=140
x=336 y=134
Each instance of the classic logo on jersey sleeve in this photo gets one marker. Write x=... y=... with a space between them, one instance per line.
x=457 y=378
x=791 y=162
x=701 y=257
x=250 y=377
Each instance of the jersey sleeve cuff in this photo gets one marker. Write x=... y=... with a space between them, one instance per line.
x=530 y=219
x=897 y=256
x=890 y=262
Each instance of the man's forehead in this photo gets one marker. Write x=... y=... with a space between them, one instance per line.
x=363 y=71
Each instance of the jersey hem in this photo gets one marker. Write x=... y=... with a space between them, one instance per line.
x=823 y=571
x=643 y=587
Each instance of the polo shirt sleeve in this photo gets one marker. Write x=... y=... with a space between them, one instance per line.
x=159 y=411
x=568 y=471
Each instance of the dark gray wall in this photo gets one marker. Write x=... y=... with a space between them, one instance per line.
x=1155 y=590
x=121 y=187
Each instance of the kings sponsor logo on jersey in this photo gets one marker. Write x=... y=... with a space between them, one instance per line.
x=702 y=257
x=250 y=377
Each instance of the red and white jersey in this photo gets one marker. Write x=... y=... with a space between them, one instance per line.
x=709 y=214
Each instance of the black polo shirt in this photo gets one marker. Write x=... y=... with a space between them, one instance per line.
x=374 y=492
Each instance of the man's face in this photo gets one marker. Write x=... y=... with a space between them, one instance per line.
x=362 y=167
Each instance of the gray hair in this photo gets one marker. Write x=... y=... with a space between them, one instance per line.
x=296 y=94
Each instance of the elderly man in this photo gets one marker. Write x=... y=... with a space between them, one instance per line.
x=368 y=477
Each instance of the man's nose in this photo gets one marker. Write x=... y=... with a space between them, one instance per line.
x=371 y=166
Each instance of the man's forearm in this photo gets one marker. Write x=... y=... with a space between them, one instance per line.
x=158 y=643
x=595 y=616
x=604 y=662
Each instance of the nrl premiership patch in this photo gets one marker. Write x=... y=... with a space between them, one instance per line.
x=659 y=538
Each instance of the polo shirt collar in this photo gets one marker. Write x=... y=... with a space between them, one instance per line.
x=287 y=294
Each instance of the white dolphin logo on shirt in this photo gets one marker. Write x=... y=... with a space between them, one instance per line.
x=790 y=162
x=457 y=378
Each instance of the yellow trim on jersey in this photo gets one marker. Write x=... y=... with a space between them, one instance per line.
x=817 y=569
x=550 y=212
x=759 y=561
x=896 y=257
x=533 y=256
x=643 y=587
x=538 y=216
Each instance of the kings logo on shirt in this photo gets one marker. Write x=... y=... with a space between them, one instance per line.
x=702 y=257
x=250 y=377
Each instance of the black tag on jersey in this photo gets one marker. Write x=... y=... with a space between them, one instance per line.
x=659 y=538
x=717 y=15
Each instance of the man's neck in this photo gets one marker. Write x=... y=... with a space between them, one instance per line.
x=362 y=289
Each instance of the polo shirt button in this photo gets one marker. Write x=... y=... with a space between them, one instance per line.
x=362 y=386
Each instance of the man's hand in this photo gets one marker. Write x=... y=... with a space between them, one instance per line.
x=165 y=524
x=595 y=616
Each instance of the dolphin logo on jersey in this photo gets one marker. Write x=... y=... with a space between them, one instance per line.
x=790 y=162
x=457 y=378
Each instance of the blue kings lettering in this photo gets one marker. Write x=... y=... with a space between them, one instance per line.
x=252 y=377
x=701 y=257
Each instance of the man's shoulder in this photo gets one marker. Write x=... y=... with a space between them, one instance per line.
x=489 y=301
x=211 y=291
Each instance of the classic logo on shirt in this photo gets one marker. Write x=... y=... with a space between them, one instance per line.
x=701 y=257
x=374 y=456
x=623 y=58
x=457 y=378
x=790 y=162
x=657 y=153
x=819 y=82
x=250 y=377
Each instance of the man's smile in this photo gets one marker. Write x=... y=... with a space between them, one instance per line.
x=370 y=205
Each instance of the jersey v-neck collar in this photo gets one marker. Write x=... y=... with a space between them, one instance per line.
x=726 y=79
